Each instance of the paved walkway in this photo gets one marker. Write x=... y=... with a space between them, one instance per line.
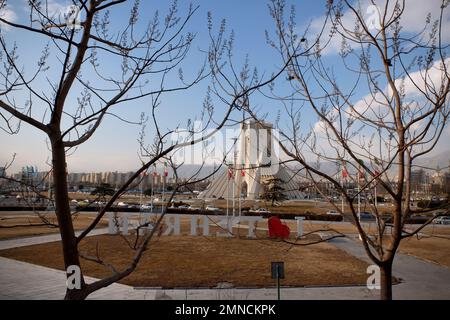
x=28 y=241
x=21 y=280
x=419 y=279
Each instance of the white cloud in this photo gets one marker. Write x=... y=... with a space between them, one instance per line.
x=320 y=127
x=8 y=15
x=428 y=81
x=372 y=107
x=412 y=20
x=54 y=9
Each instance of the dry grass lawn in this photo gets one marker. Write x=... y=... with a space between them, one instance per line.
x=432 y=249
x=348 y=228
x=185 y=261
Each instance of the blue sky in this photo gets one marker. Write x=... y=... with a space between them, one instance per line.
x=114 y=146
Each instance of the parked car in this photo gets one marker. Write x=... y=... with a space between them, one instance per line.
x=442 y=220
x=211 y=208
x=333 y=213
x=366 y=216
x=146 y=207
x=260 y=210
x=82 y=203
x=184 y=207
x=122 y=204
x=438 y=213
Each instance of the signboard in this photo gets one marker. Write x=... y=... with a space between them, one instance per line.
x=278 y=270
x=199 y=224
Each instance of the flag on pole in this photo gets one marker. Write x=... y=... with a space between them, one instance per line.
x=243 y=170
x=361 y=171
x=344 y=172
x=166 y=172
x=230 y=172
x=376 y=175
x=154 y=170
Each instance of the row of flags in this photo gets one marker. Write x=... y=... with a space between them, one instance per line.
x=166 y=171
x=361 y=172
x=155 y=173
x=345 y=174
x=231 y=171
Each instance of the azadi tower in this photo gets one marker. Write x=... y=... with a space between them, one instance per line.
x=255 y=162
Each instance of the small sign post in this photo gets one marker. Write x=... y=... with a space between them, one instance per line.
x=278 y=273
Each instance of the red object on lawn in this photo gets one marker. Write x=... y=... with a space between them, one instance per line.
x=278 y=229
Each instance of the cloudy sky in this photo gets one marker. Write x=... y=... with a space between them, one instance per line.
x=114 y=146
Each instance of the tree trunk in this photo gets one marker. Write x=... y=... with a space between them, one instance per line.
x=386 y=281
x=63 y=214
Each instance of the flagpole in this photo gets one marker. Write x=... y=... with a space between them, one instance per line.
x=151 y=193
x=240 y=205
x=166 y=174
x=140 y=194
x=342 y=194
x=240 y=187
x=234 y=196
x=228 y=195
x=162 y=199
x=376 y=200
x=239 y=198
x=228 y=187
x=359 y=199
x=344 y=175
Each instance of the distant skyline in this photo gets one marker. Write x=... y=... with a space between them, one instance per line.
x=114 y=146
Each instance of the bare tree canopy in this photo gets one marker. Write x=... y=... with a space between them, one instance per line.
x=378 y=137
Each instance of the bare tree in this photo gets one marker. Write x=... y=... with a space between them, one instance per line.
x=140 y=60
x=79 y=42
x=376 y=139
